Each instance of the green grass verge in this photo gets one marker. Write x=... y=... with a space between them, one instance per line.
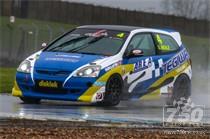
x=7 y=76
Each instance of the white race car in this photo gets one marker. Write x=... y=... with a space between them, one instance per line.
x=106 y=63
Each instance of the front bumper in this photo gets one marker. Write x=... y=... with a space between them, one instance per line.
x=75 y=89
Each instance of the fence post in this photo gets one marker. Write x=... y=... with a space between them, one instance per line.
x=50 y=32
x=36 y=36
x=11 y=28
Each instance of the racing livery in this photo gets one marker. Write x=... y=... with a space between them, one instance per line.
x=104 y=64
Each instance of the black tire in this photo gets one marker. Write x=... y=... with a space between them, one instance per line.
x=114 y=87
x=28 y=100
x=182 y=89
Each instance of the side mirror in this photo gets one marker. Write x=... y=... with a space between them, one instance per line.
x=136 y=53
x=44 y=45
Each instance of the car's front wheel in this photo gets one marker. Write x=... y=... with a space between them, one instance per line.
x=113 y=91
x=28 y=100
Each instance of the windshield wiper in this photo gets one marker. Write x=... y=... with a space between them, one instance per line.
x=85 y=46
x=67 y=42
x=95 y=39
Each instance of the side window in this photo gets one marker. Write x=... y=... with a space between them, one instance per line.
x=165 y=44
x=143 y=42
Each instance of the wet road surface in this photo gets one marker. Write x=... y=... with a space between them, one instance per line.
x=126 y=111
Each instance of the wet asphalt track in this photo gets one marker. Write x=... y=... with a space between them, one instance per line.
x=125 y=112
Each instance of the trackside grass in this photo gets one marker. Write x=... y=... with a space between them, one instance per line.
x=7 y=76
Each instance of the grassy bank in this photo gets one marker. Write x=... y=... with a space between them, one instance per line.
x=7 y=76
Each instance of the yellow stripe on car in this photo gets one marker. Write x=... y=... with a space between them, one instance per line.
x=173 y=73
x=156 y=94
x=122 y=69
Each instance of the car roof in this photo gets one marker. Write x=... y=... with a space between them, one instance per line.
x=173 y=33
x=112 y=27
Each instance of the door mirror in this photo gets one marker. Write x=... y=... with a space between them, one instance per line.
x=136 y=53
x=44 y=45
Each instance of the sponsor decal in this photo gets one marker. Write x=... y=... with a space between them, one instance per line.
x=120 y=35
x=113 y=66
x=99 y=96
x=164 y=47
x=143 y=64
x=98 y=83
x=51 y=84
x=161 y=46
x=68 y=56
x=99 y=33
x=62 y=59
x=176 y=61
x=159 y=40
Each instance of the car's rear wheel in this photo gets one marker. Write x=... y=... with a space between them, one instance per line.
x=28 y=100
x=182 y=89
x=113 y=91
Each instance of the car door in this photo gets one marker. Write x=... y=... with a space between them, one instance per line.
x=166 y=49
x=141 y=77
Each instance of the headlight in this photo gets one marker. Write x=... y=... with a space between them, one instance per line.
x=25 y=67
x=89 y=71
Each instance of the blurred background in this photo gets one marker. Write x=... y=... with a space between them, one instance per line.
x=26 y=24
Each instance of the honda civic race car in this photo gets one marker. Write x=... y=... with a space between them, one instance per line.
x=104 y=64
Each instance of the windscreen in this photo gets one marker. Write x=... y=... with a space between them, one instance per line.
x=90 y=41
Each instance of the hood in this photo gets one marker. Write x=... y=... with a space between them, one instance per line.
x=64 y=61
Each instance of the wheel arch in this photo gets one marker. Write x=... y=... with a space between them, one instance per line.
x=177 y=81
x=116 y=74
x=181 y=75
